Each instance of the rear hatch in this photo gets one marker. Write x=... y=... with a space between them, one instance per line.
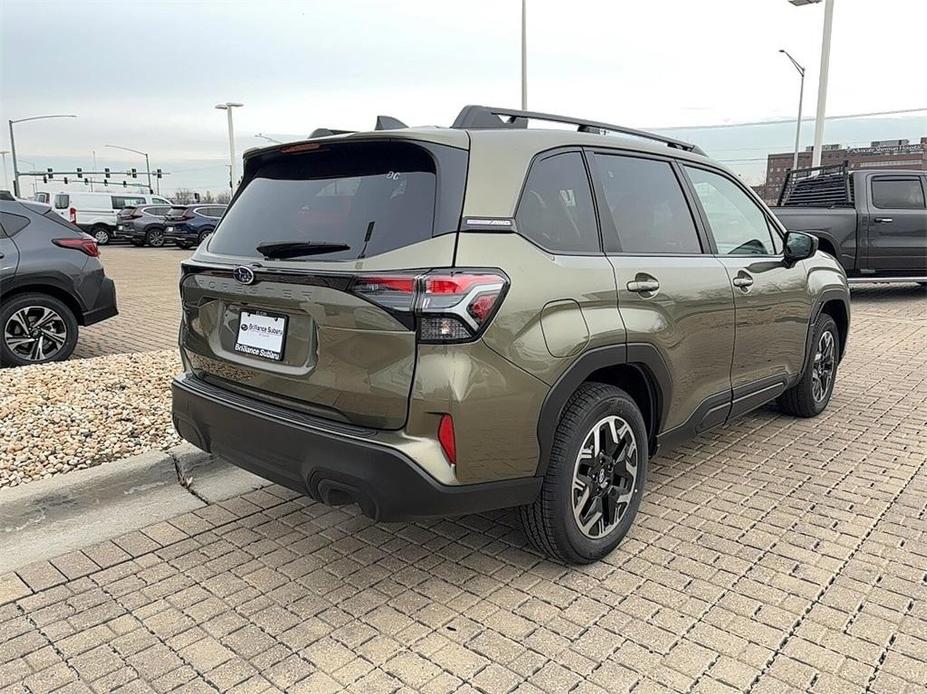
x=175 y=219
x=325 y=325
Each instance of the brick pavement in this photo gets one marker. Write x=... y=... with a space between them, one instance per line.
x=772 y=555
x=148 y=299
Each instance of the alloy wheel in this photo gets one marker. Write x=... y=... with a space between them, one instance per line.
x=101 y=236
x=604 y=477
x=822 y=371
x=35 y=333
x=156 y=238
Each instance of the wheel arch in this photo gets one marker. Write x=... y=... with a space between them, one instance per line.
x=62 y=295
x=636 y=368
x=837 y=309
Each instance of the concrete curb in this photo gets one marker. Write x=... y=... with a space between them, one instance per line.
x=46 y=518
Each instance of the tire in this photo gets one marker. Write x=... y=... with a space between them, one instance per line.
x=19 y=339
x=204 y=234
x=102 y=234
x=154 y=237
x=136 y=242
x=553 y=521
x=809 y=397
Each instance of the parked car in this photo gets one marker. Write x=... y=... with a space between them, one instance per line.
x=873 y=221
x=189 y=225
x=95 y=213
x=143 y=225
x=432 y=322
x=51 y=282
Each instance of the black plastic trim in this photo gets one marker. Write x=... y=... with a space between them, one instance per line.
x=711 y=412
x=635 y=354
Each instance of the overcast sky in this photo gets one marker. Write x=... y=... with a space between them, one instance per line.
x=146 y=74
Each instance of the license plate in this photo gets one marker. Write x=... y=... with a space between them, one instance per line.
x=261 y=334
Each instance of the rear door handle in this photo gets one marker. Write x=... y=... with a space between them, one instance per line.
x=883 y=220
x=743 y=281
x=640 y=286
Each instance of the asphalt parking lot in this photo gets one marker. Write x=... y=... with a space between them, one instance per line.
x=772 y=555
x=148 y=301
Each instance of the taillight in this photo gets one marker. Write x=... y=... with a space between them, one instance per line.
x=72 y=215
x=188 y=214
x=451 y=306
x=447 y=439
x=88 y=245
x=135 y=214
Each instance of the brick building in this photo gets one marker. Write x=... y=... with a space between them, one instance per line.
x=888 y=154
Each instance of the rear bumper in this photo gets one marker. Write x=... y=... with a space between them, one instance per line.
x=182 y=234
x=105 y=306
x=332 y=464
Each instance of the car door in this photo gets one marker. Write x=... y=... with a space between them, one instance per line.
x=772 y=305
x=897 y=224
x=672 y=293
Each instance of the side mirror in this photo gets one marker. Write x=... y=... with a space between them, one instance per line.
x=799 y=246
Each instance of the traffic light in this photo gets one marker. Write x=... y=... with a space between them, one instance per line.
x=124 y=184
x=51 y=174
x=105 y=182
x=44 y=178
x=65 y=180
x=134 y=173
x=106 y=172
x=158 y=173
x=80 y=172
x=86 y=181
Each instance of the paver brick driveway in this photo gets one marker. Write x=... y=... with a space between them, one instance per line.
x=773 y=555
x=148 y=300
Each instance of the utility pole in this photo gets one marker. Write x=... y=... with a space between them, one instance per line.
x=6 y=178
x=524 y=55
x=822 y=83
x=233 y=164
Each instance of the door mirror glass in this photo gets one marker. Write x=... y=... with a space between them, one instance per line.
x=799 y=246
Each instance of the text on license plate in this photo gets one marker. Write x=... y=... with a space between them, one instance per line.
x=261 y=334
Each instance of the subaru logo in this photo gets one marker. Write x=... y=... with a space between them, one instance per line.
x=243 y=274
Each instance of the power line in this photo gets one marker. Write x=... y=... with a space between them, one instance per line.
x=787 y=121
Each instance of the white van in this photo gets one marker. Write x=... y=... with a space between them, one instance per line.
x=95 y=213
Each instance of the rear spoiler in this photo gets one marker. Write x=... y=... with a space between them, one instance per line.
x=383 y=123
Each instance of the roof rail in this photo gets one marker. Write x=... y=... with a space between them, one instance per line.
x=488 y=117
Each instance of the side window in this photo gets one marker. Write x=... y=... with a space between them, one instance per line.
x=556 y=209
x=647 y=205
x=118 y=203
x=62 y=201
x=738 y=224
x=13 y=223
x=897 y=193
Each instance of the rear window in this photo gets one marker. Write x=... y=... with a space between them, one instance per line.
x=375 y=197
x=62 y=202
x=176 y=212
x=121 y=202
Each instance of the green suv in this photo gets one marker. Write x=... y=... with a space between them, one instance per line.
x=439 y=321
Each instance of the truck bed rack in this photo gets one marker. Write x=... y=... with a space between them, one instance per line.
x=819 y=186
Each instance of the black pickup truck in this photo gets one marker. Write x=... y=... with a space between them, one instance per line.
x=873 y=221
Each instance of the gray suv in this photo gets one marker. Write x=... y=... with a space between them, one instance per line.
x=438 y=321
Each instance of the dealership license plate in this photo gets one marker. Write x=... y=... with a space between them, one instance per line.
x=170 y=229
x=261 y=334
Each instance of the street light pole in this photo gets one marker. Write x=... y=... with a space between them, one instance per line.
x=524 y=55
x=6 y=178
x=822 y=83
x=13 y=144
x=233 y=169
x=136 y=151
x=801 y=95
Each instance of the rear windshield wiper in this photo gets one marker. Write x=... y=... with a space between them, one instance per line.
x=295 y=249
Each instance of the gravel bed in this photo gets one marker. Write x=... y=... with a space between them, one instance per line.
x=76 y=414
